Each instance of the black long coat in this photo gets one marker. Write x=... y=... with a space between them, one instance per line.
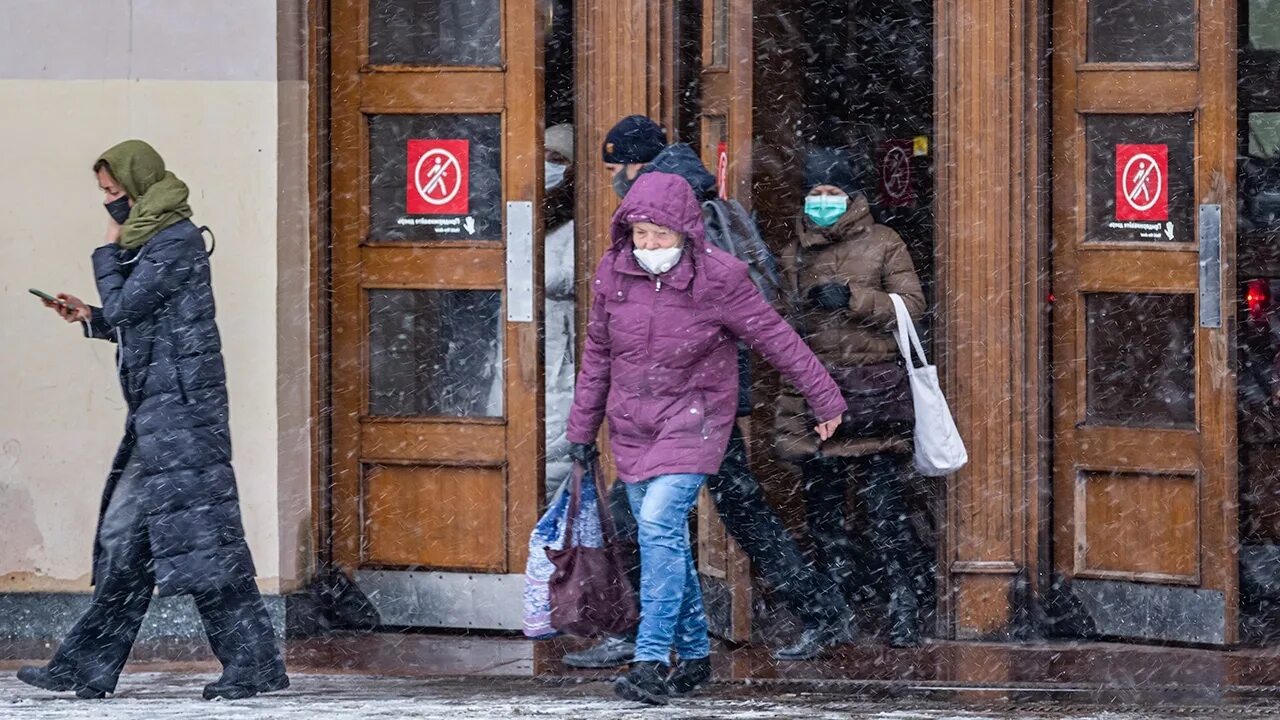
x=157 y=305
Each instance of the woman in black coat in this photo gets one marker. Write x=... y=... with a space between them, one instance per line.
x=170 y=516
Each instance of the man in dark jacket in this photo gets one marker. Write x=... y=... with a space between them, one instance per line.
x=170 y=516
x=636 y=146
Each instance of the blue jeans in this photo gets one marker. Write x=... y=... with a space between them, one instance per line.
x=671 y=611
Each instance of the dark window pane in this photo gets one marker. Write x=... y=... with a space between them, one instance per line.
x=435 y=177
x=715 y=130
x=434 y=32
x=1139 y=176
x=435 y=352
x=719 y=33
x=1140 y=360
x=1142 y=30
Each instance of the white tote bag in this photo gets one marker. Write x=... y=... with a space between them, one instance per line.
x=939 y=449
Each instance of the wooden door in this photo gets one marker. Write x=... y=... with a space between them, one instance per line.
x=437 y=162
x=724 y=133
x=1144 y=492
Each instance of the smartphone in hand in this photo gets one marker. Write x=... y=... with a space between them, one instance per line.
x=47 y=297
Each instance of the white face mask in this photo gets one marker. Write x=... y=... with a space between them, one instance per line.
x=658 y=261
x=554 y=174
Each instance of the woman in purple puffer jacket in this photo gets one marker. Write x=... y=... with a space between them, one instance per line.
x=661 y=362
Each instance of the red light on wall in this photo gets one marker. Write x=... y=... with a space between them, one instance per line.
x=1258 y=299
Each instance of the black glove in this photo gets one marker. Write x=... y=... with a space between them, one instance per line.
x=584 y=454
x=830 y=296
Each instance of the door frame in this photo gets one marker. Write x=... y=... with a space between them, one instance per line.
x=319 y=82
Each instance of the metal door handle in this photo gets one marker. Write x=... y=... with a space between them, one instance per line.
x=519 y=261
x=1210 y=266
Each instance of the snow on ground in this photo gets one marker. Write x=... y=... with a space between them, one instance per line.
x=148 y=696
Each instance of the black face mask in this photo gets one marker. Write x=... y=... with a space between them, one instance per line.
x=622 y=184
x=118 y=209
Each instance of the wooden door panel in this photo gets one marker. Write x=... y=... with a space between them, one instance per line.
x=436 y=517
x=1159 y=451
x=1138 y=526
x=1144 y=468
x=476 y=444
x=467 y=267
x=482 y=91
x=436 y=126
x=1103 y=90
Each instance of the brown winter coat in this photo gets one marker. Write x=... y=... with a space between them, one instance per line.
x=873 y=261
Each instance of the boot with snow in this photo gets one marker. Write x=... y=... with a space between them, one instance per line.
x=230 y=687
x=645 y=682
x=689 y=675
x=45 y=680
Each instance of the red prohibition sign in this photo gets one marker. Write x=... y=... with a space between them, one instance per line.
x=1142 y=182
x=437 y=177
x=442 y=179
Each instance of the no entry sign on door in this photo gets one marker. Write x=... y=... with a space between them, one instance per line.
x=1142 y=182
x=436 y=182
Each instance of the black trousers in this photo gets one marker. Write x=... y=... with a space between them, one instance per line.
x=95 y=650
x=884 y=560
x=754 y=524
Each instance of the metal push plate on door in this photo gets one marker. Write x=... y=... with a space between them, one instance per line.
x=1210 y=266
x=519 y=261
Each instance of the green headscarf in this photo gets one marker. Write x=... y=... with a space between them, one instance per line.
x=159 y=197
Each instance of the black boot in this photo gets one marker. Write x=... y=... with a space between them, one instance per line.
x=645 y=682
x=44 y=679
x=85 y=692
x=689 y=676
x=235 y=685
x=816 y=640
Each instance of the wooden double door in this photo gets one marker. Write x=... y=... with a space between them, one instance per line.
x=1144 y=480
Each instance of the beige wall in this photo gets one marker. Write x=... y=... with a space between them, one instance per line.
x=199 y=81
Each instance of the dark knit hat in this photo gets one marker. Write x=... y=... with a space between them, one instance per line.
x=635 y=139
x=830 y=166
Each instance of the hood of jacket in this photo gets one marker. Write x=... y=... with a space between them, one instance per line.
x=680 y=159
x=662 y=199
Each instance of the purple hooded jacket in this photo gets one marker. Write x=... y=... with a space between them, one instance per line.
x=661 y=358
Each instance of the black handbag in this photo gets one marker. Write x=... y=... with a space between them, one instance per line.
x=879 y=399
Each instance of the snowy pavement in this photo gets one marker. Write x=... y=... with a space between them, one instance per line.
x=148 y=696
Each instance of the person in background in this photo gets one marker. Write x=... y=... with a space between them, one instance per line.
x=170 y=515
x=838 y=273
x=660 y=362
x=557 y=211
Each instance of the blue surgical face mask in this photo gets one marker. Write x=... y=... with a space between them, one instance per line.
x=825 y=210
x=554 y=173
